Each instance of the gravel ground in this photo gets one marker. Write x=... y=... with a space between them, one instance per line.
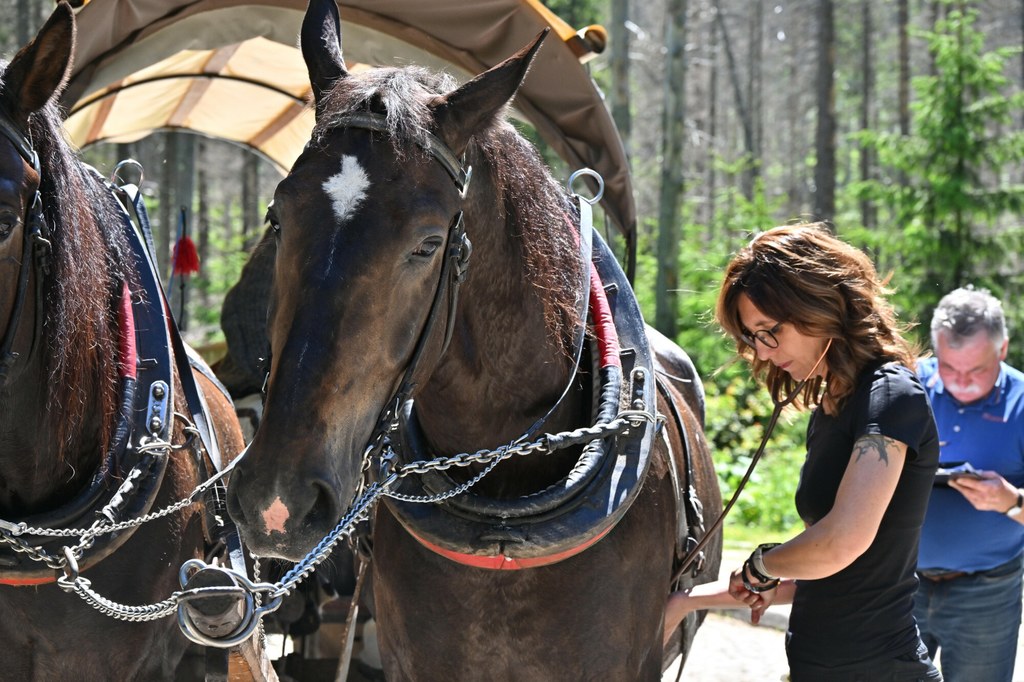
x=727 y=649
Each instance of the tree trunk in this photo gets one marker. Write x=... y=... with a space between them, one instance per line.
x=672 y=188
x=619 y=63
x=754 y=51
x=741 y=105
x=903 y=21
x=825 y=138
x=184 y=187
x=168 y=214
x=712 y=213
x=24 y=22
x=867 y=209
x=939 y=10
x=202 y=225
x=795 y=186
x=252 y=221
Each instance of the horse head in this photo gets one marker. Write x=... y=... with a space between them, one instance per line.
x=58 y=268
x=29 y=83
x=370 y=253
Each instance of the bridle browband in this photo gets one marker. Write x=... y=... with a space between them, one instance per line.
x=430 y=143
x=35 y=246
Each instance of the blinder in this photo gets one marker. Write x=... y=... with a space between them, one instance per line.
x=36 y=248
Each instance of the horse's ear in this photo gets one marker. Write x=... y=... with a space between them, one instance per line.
x=40 y=69
x=472 y=107
x=321 y=46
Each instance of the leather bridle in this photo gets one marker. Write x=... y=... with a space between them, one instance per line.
x=458 y=249
x=36 y=247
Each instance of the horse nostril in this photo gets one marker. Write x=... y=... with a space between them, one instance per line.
x=324 y=510
x=234 y=506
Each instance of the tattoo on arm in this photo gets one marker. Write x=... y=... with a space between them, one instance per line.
x=874 y=444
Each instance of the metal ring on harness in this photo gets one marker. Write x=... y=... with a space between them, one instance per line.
x=231 y=619
x=589 y=172
x=115 y=175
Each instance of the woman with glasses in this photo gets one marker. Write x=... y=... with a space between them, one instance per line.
x=808 y=312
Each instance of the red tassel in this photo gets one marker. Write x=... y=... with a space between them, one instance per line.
x=185 y=259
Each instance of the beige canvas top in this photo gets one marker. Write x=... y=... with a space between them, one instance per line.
x=230 y=69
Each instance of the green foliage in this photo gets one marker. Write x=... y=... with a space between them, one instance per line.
x=737 y=407
x=737 y=413
x=217 y=275
x=578 y=13
x=946 y=184
x=703 y=257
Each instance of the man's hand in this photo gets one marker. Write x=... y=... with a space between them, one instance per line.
x=991 y=492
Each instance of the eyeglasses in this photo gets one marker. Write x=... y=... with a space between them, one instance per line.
x=765 y=336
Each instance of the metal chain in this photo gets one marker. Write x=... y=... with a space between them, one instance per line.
x=544 y=445
x=361 y=508
x=358 y=512
x=10 y=531
x=458 y=490
x=134 y=614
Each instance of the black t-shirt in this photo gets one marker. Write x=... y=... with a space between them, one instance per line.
x=864 y=612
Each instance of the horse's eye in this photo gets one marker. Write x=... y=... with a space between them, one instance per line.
x=428 y=247
x=7 y=224
x=271 y=218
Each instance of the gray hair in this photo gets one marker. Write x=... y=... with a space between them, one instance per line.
x=966 y=312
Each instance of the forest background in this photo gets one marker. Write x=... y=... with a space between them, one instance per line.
x=899 y=121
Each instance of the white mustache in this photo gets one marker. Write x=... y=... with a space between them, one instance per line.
x=969 y=389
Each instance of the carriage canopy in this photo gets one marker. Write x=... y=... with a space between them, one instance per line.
x=230 y=69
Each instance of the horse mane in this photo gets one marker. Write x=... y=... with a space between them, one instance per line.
x=534 y=206
x=89 y=259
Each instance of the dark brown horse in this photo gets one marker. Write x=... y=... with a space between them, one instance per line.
x=374 y=354
x=90 y=395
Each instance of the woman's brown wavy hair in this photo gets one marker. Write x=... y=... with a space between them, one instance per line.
x=803 y=275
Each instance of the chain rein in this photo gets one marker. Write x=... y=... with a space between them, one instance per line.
x=371 y=493
x=274 y=593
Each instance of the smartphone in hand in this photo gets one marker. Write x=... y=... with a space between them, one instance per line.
x=948 y=471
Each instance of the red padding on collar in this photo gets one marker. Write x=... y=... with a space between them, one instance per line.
x=126 y=349
x=604 y=325
x=501 y=562
x=24 y=582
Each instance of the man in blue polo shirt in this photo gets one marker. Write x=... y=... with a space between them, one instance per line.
x=968 y=603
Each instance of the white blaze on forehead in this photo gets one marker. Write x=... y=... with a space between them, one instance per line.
x=347 y=188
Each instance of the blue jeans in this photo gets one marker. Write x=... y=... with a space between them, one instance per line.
x=972 y=621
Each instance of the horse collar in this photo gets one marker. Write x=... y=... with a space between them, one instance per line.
x=565 y=518
x=144 y=415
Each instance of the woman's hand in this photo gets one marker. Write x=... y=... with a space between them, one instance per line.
x=757 y=601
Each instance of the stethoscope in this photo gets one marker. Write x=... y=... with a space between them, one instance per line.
x=779 y=406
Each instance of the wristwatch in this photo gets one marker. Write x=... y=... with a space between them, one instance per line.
x=1016 y=509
